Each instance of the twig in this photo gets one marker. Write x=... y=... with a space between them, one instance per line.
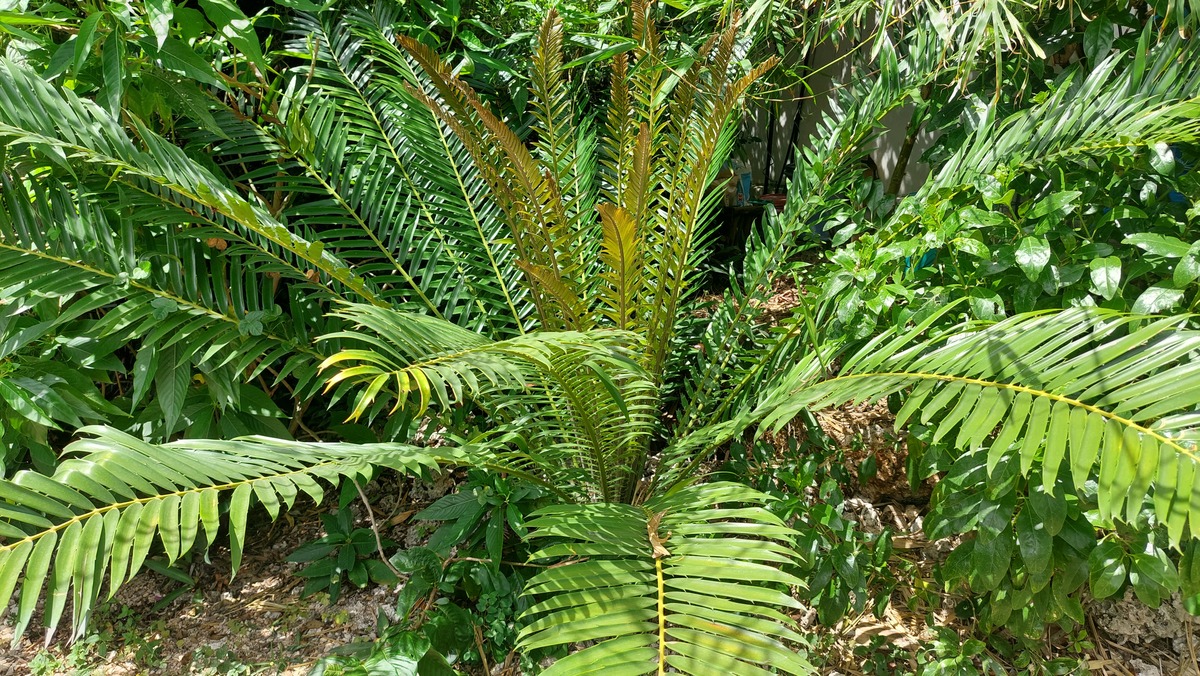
x=508 y=668
x=1191 y=646
x=374 y=529
x=479 y=646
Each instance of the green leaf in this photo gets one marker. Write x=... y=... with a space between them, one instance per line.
x=113 y=61
x=159 y=14
x=451 y=507
x=990 y=560
x=1162 y=159
x=1157 y=299
x=1153 y=577
x=1051 y=509
x=986 y=305
x=85 y=39
x=1034 y=540
x=1106 y=569
x=1058 y=202
x=1032 y=255
x=177 y=57
x=973 y=247
x=235 y=27
x=31 y=584
x=22 y=404
x=239 y=507
x=1188 y=268
x=171 y=380
x=145 y=367
x=1189 y=576
x=1098 y=39
x=1106 y=276
x=1159 y=245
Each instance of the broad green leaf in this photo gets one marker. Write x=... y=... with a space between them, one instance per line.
x=239 y=508
x=1106 y=276
x=1050 y=509
x=22 y=404
x=147 y=528
x=1058 y=202
x=1162 y=159
x=235 y=27
x=12 y=565
x=1152 y=570
x=171 y=380
x=1188 y=268
x=1032 y=256
x=145 y=366
x=1098 y=39
x=113 y=62
x=1157 y=299
x=159 y=14
x=168 y=529
x=177 y=57
x=31 y=584
x=1106 y=569
x=122 y=547
x=1189 y=576
x=990 y=560
x=1034 y=541
x=1159 y=245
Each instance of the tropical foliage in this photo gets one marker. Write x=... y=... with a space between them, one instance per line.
x=205 y=237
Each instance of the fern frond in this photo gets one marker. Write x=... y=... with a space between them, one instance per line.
x=155 y=285
x=677 y=238
x=738 y=354
x=689 y=583
x=532 y=199
x=102 y=512
x=1112 y=108
x=1088 y=393
x=420 y=225
x=579 y=399
x=622 y=255
x=57 y=128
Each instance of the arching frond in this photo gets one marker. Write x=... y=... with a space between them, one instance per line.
x=394 y=191
x=736 y=344
x=51 y=127
x=546 y=238
x=1088 y=393
x=156 y=286
x=102 y=511
x=1113 y=107
x=688 y=583
x=579 y=399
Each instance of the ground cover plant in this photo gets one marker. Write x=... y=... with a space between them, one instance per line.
x=201 y=230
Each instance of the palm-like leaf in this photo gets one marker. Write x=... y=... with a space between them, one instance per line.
x=735 y=342
x=101 y=512
x=578 y=398
x=54 y=127
x=393 y=191
x=165 y=291
x=1113 y=108
x=1087 y=392
x=656 y=164
x=689 y=582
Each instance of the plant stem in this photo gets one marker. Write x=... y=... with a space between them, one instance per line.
x=915 y=123
x=374 y=529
